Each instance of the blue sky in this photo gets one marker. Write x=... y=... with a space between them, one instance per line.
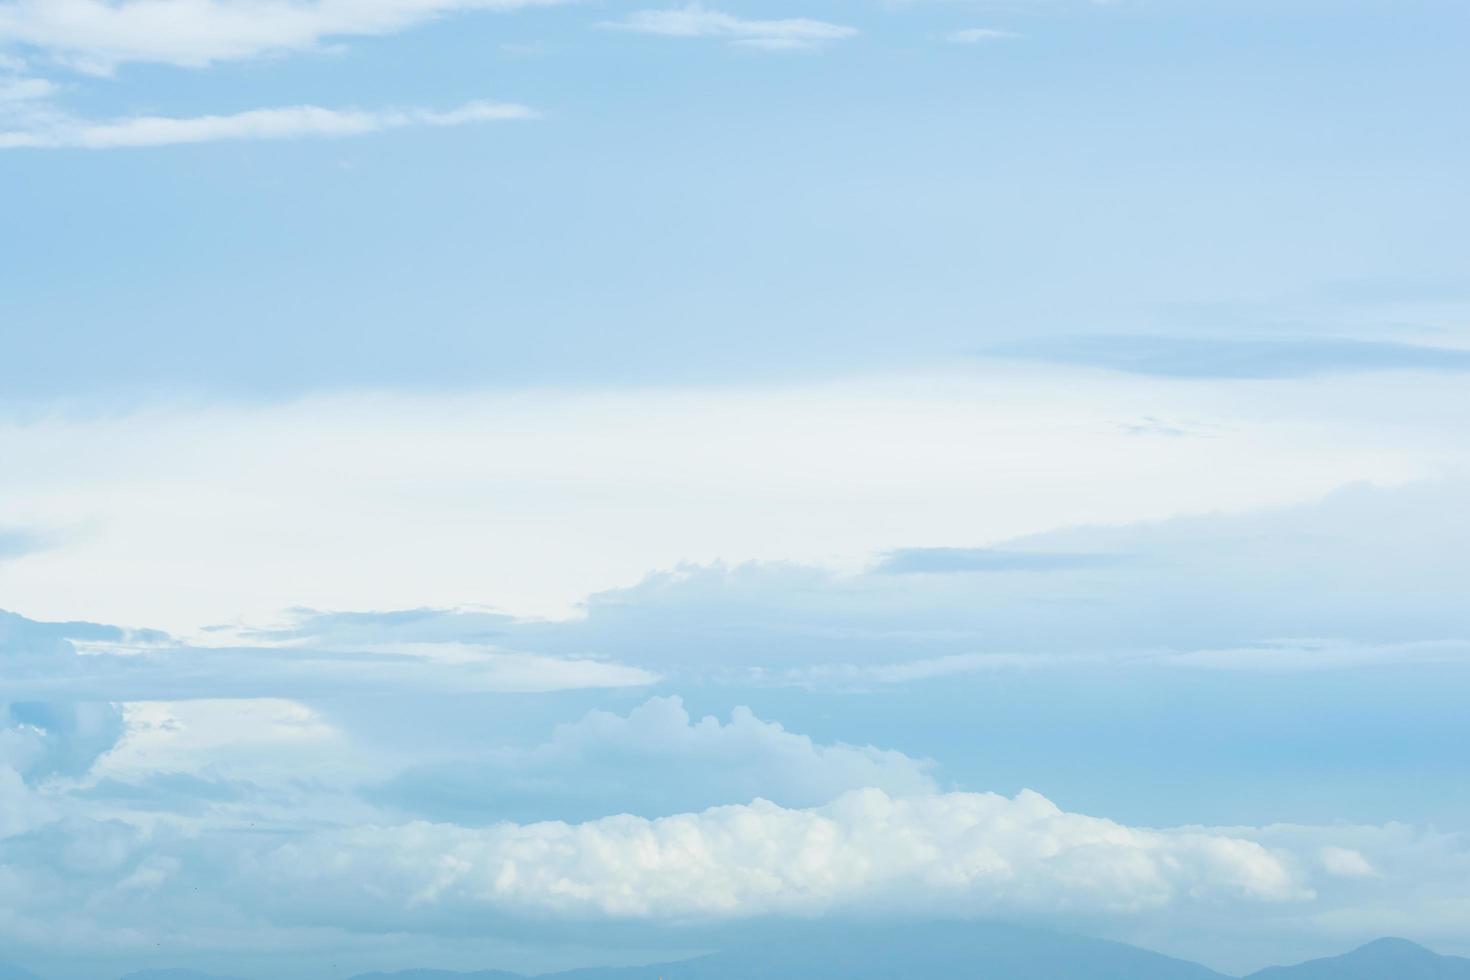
x=537 y=484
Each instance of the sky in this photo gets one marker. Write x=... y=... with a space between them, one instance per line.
x=527 y=484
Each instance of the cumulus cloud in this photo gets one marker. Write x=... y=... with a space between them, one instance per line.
x=121 y=851
x=97 y=35
x=39 y=739
x=20 y=808
x=1345 y=862
x=290 y=122
x=958 y=851
x=656 y=759
x=695 y=20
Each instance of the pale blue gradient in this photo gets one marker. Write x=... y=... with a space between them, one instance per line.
x=685 y=211
x=1230 y=217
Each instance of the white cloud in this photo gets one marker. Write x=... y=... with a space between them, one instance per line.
x=297 y=851
x=654 y=760
x=14 y=90
x=97 y=35
x=1345 y=862
x=184 y=736
x=660 y=733
x=528 y=500
x=976 y=35
x=958 y=852
x=290 y=122
x=20 y=808
x=695 y=20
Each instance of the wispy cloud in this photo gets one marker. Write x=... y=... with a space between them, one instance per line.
x=98 y=35
x=288 y=122
x=908 y=561
x=697 y=21
x=18 y=90
x=977 y=35
x=1228 y=357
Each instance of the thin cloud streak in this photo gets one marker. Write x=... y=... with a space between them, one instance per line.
x=695 y=20
x=289 y=122
x=977 y=35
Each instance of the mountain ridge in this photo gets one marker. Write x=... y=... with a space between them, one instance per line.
x=1390 y=958
x=961 y=951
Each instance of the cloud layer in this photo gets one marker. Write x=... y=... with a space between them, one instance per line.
x=751 y=474
x=865 y=852
x=1238 y=357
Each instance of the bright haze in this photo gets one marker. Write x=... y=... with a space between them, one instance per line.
x=527 y=485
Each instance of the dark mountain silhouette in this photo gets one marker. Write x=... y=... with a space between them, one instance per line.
x=1384 y=959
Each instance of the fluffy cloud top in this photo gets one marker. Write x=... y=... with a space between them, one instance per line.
x=976 y=852
x=654 y=760
x=274 y=839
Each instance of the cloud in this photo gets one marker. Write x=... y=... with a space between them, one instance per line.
x=955 y=855
x=291 y=122
x=1345 y=862
x=21 y=90
x=15 y=543
x=41 y=739
x=218 y=821
x=21 y=810
x=961 y=853
x=1226 y=357
x=46 y=662
x=654 y=760
x=698 y=21
x=97 y=35
x=945 y=561
x=977 y=35
x=1367 y=575
x=187 y=736
x=864 y=856
x=740 y=475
